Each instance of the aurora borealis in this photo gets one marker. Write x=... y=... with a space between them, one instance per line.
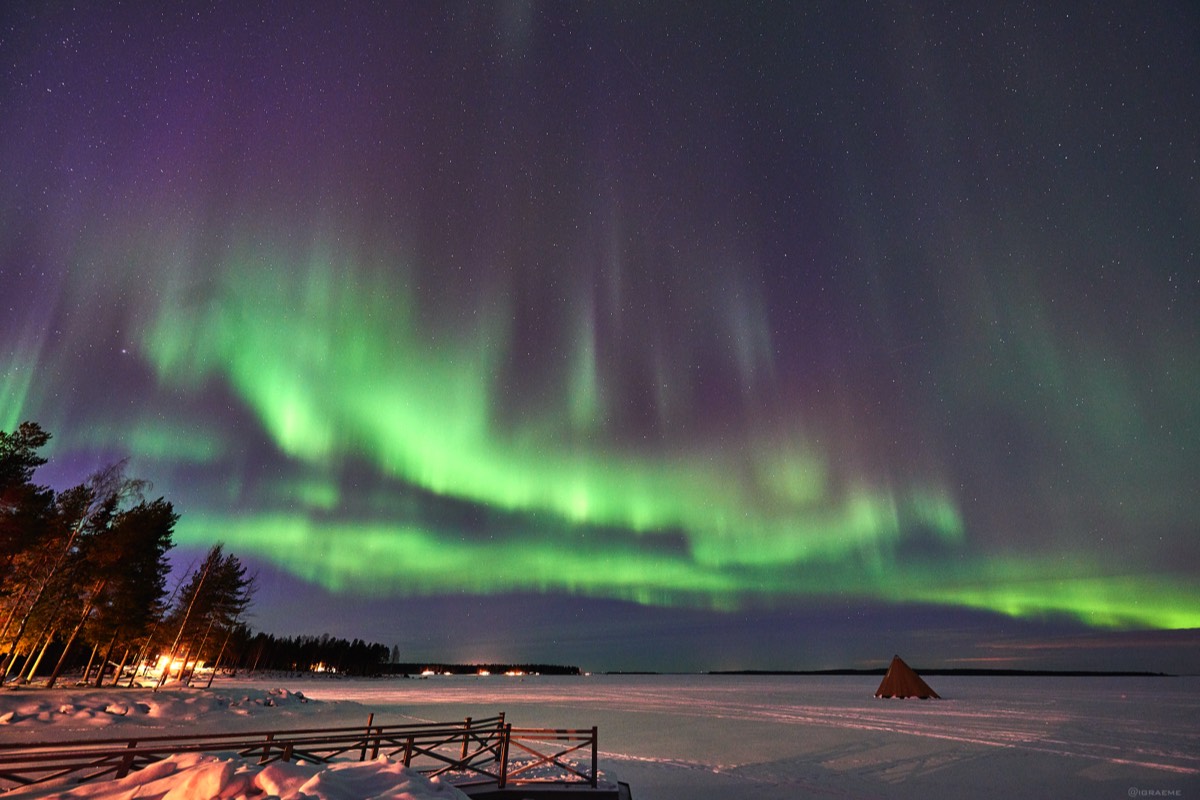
x=726 y=319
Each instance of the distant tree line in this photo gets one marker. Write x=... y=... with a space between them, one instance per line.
x=84 y=586
x=322 y=653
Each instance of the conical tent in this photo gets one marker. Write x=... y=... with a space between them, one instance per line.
x=901 y=681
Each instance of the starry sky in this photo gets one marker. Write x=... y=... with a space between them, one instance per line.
x=633 y=335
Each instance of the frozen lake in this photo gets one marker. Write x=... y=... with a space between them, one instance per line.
x=788 y=737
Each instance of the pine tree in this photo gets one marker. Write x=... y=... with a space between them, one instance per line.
x=212 y=602
x=24 y=506
x=136 y=581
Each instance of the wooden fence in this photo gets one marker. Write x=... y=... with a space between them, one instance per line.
x=473 y=752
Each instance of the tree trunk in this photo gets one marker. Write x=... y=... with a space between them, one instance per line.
x=36 y=644
x=8 y=621
x=37 y=597
x=199 y=650
x=183 y=661
x=217 y=663
x=143 y=650
x=14 y=657
x=62 y=658
x=120 y=668
x=112 y=643
x=182 y=625
x=138 y=662
x=87 y=612
x=37 y=662
x=91 y=660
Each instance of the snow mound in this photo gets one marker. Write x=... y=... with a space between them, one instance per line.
x=101 y=708
x=193 y=775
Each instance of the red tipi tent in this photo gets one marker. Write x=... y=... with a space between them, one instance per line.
x=901 y=681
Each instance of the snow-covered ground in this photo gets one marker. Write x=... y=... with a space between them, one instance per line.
x=693 y=737
x=31 y=715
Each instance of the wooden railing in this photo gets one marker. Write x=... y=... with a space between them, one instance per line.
x=555 y=745
x=475 y=751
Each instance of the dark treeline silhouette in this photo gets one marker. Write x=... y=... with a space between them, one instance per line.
x=84 y=586
x=322 y=653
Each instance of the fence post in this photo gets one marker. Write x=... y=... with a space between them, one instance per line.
x=408 y=746
x=499 y=728
x=126 y=761
x=363 y=755
x=504 y=755
x=266 y=748
x=595 y=735
x=466 y=736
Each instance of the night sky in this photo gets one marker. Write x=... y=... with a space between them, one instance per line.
x=631 y=335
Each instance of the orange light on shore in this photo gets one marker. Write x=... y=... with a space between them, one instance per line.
x=165 y=661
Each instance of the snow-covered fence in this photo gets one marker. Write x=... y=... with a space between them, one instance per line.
x=472 y=752
x=546 y=751
x=468 y=747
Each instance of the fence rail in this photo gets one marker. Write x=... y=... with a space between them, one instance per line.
x=471 y=752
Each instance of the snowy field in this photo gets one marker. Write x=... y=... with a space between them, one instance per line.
x=704 y=737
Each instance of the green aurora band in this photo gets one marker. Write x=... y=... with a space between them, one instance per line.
x=336 y=370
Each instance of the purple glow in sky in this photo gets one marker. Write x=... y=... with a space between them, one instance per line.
x=643 y=336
